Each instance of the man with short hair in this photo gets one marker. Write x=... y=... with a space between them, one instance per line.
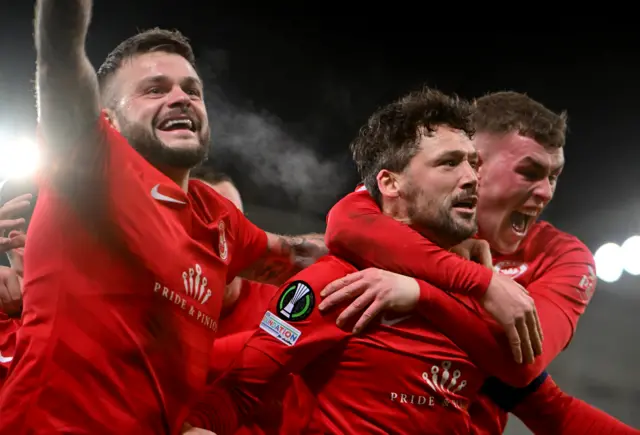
x=521 y=144
x=403 y=376
x=127 y=258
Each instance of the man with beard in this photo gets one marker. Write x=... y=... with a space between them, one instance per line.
x=521 y=146
x=403 y=376
x=127 y=259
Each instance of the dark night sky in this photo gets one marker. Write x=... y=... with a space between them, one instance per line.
x=298 y=84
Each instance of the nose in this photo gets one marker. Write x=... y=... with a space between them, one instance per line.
x=178 y=97
x=543 y=190
x=469 y=177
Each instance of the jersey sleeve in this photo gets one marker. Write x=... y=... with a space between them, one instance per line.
x=462 y=320
x=225 y=349
x=292 y=334
x=358 y=232
x=562 y=294
x=250 y=242
x=547 y=409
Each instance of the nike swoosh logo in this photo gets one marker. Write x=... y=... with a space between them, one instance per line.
x=160 y=197
x=391 y=322
x=5 y=359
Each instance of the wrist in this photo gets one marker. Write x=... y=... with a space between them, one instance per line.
x=481 y=283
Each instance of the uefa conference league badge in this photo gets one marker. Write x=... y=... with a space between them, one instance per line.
x=296 y=302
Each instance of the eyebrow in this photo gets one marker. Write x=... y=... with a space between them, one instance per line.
x=160 y=78
x=458 y=155
x=540 y=166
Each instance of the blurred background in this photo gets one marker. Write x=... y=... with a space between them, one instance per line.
x=288 y=86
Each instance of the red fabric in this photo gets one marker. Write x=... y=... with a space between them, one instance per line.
x=401 y=377
x=119 y=324
x=550 y=411
x=356 y=229
x=236 y=328
x=8 y=331
x=556 y=268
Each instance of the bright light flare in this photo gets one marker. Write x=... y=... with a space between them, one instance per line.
x=19 y=157
x=608 y=260
x=631 y=255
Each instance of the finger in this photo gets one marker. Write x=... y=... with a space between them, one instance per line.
x=14 y=209
x=355 y=308
x=17 y=241
x=340 y=283
x=538 y=325
x=13 y=287
x=514 y=342
x=525 y=342
x=461 y=252
x=484 y=257
x=343 y=295
x=374 y=309
x=9 y=224
x=24 y=197
x=5 y=299
x=534 y=336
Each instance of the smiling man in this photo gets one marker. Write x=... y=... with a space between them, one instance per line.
x=128 y=259
x=404 y=376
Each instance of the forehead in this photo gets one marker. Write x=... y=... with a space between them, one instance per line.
x=446 y=139
x=523 y=150
x=154 y=65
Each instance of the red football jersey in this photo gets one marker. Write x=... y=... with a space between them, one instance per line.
x=548 y=410
x=555 y=267
x=8 y=330
x=559 y=272
x=124 y=278
x=236 y=327
x=402 y=377
x=246 y=313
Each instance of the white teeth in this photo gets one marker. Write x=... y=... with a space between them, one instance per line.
x=528 y=213
x=185 y=122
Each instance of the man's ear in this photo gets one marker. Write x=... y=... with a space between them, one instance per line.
x=111 y=117
x=389 y=183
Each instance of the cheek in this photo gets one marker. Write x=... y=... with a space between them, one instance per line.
x=143 y=112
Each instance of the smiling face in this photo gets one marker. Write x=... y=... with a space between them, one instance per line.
x=159 y=107
x=518 y=178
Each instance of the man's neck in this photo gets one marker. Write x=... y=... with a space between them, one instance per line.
x=179 y=176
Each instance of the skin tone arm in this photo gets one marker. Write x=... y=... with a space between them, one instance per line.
x=66 y=83
x=286 y=256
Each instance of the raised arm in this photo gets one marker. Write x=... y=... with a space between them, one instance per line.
x=66 y=83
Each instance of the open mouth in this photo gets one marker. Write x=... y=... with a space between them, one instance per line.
x=466 y=204
x=177 y=124
x=521 y=221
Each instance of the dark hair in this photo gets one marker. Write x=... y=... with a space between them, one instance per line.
x=390 y=139
x=506 y=112
x=170 y=41
x=209 y=175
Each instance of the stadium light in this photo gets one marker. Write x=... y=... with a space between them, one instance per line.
x=608 y=260
x=631 y=255
x=19 y=157
x=612 y=260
